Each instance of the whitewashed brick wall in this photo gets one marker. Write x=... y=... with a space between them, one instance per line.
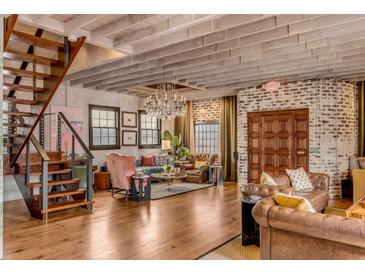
x=206 y=110
x=332 y=123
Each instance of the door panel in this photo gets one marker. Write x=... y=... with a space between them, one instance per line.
x=253 y=148
x=277 y=140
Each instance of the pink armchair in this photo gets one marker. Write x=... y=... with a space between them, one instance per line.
x=121 y=169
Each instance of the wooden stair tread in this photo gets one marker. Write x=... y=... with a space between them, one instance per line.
x=20 y=101
x=55 y=183
x=8 y=145
x=66 y=205
x=61 y=171
x=51 y=162
x=22 y=56
x=14 y=136
x=62 y=193
x=25 y=73
x=15 y=125
x=19 y=113
x=34 y=40
x=9 y=86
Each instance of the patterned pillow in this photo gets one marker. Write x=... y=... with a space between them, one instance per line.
x=161 y=159
x=266 y=179
x=299 y=179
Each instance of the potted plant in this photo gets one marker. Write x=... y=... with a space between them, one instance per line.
x=179 y=152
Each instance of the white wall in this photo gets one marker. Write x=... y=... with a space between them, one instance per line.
x=80 y=97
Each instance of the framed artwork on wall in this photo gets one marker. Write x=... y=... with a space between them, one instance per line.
x=129 y=119
x=129 y=138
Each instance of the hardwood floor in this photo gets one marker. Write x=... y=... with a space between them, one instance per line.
x=184 y=226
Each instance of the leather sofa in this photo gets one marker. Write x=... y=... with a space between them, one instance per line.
x=318 y=196
x=291 y=234
x=198 y=175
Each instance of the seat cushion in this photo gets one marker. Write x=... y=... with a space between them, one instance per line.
x=317 y=197
x=193 y=172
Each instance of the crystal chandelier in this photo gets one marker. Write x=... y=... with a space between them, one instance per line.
x=165 y=104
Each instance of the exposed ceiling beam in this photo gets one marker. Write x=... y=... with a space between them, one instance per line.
x=79 y=21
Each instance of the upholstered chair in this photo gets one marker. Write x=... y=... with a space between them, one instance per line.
x=121 y=169
x=198 y=175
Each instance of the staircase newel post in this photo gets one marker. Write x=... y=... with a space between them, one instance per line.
x=44 y=190
x=89 y=181
x=27 y=163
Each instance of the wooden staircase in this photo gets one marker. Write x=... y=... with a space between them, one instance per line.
x=30 y=82
x=27 y=102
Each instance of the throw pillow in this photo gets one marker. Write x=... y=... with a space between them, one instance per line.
x=199 y=164
x=299 y=179
x=161 y=159
x=266 y=179
x=148 y=160
x=294 y=202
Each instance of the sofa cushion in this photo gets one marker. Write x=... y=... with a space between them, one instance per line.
x=148 y=170
x=193 y=172
x=294 y=202
x=148 y=160
x=299 y=179
x=199 y=164
x=189 y=166
x=161 y=159
x=317 y=197
x=266 y=179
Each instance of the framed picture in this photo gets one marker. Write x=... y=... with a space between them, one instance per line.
x=129 y=138
x=129 y=119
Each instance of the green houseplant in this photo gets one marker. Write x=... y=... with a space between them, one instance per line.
x=178 y=150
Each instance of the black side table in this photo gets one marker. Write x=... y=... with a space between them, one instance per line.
x=347 y=186
x=143 y=193
x=250 y=229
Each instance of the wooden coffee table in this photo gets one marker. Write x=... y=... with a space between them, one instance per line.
x=168 y=178
x=357 y=210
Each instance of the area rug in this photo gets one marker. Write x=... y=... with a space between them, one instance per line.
x=233 y=250
x=161 y=190
x=335 y=211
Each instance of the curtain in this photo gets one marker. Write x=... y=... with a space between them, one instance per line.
x=228 y=137
x=185 y=127
x=361 y=120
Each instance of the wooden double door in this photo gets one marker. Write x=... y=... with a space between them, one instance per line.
x=277 y=140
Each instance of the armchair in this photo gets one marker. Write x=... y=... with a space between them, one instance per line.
x=198 y=175
x=121 y=169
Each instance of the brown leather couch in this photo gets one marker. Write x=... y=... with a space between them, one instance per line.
x=198 y=175
x=291 y=234
x=318 y=196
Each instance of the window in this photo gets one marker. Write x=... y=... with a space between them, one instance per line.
x=104 y=127
x=149 y=131
x=206 y=137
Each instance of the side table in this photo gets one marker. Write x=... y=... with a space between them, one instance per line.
x=216 y=175
x=141 y=188
x=102 y=180
x=250 y=229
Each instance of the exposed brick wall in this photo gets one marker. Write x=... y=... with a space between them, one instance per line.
x=206 y=110
x=332 y=123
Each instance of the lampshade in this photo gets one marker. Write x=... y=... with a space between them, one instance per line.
x=166 y=144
